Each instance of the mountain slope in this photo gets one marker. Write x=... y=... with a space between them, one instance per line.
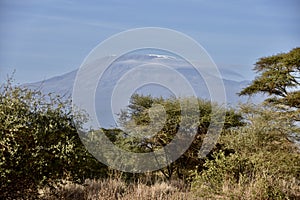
x=63 y=85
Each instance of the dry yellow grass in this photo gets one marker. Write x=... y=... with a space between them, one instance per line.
x=116 y=189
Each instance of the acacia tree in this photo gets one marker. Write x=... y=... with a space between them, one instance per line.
x=138 y=116
x=279 y=78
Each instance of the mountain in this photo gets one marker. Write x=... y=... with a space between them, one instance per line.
x=125 y=66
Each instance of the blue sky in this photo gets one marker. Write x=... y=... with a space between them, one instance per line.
x=44 y=38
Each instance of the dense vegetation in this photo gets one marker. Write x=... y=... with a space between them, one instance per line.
x=39 y=143
x=42 y=155
x=136 y=121
x=264 y=165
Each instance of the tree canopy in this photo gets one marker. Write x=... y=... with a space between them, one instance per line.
x=137 y=115
x=279 y=77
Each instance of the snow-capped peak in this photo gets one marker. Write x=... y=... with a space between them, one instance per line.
x=162 y=56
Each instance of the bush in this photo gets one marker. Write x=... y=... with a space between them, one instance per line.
x=39 y=143
x=264 y=164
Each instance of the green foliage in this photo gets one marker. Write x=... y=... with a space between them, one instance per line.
x=39 y=143
x=262 y=165
x=266 y=126
x=279 y=78
x=222 y=170
x=142 y=110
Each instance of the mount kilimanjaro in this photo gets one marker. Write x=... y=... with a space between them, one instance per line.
x=63 y=84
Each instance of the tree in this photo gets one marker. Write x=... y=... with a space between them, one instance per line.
x=279 y=78
x=39 y=143
x=138 y=116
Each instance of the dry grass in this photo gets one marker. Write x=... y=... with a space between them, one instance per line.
x=116 y=189
x=262 y=188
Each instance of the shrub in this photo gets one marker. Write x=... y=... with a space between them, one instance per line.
x=264 y=163
x=39 y=143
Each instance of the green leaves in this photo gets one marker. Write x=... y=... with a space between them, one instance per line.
x=39 y=143
x=278 y=77
x=136 y=120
